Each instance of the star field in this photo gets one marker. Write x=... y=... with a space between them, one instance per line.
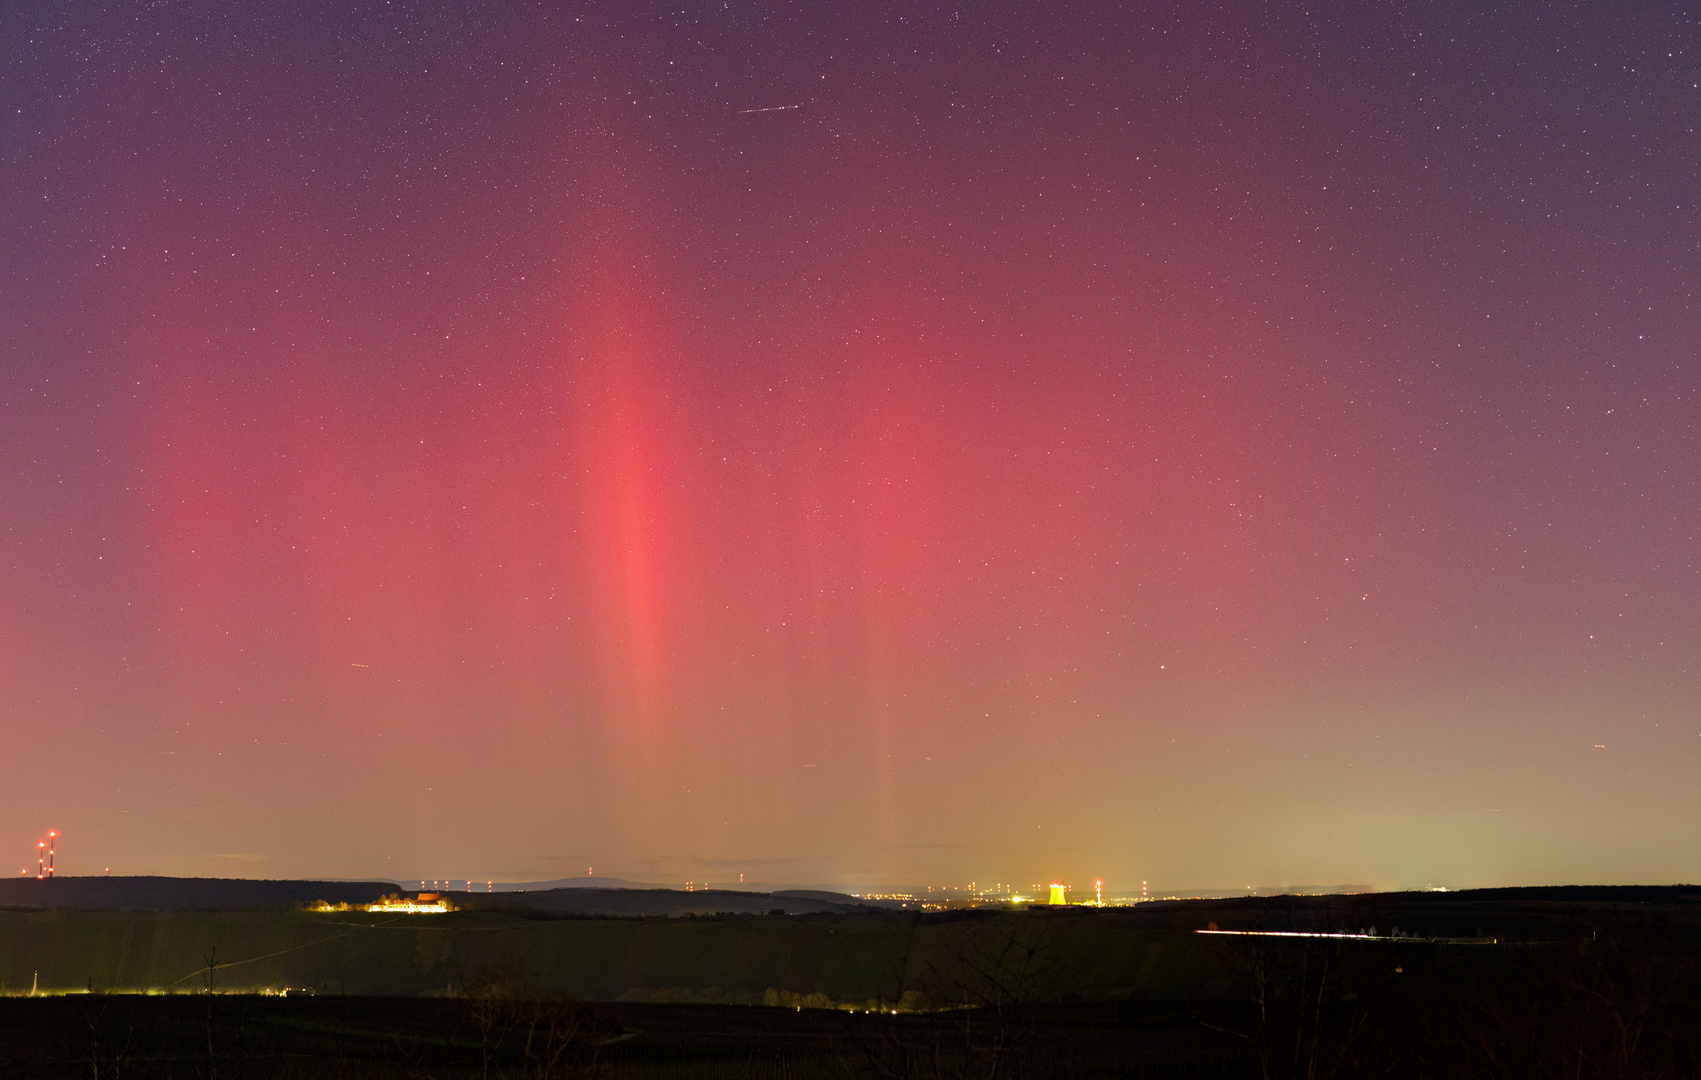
x=852 y=443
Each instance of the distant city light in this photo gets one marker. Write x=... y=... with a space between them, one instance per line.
x=425 y=903
x=1300 y=934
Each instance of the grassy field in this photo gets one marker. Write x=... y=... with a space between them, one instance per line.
x=1602 y=983
x=337 y=1038
x=737 y=959
x=1147 y=953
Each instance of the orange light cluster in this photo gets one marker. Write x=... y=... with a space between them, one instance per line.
x=44 y=853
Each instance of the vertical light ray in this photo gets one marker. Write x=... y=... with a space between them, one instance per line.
x=617 y=453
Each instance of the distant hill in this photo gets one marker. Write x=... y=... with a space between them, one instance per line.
x=575 y=883
x=829 y=950
x=181 y=894
x=762 y=887
x=237 y=894
x=670 y=902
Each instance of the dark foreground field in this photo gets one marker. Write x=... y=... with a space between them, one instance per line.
x=264 y=1038
x=1317 y=1009
x=1581 y=983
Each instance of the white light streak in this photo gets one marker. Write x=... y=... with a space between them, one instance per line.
x=1301 y=933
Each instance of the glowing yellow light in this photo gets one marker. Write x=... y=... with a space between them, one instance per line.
x=425 y=904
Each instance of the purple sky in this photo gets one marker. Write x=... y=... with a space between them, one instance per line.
x=1213 y=445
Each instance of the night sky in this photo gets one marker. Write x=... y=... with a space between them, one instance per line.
x=1212 y=444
